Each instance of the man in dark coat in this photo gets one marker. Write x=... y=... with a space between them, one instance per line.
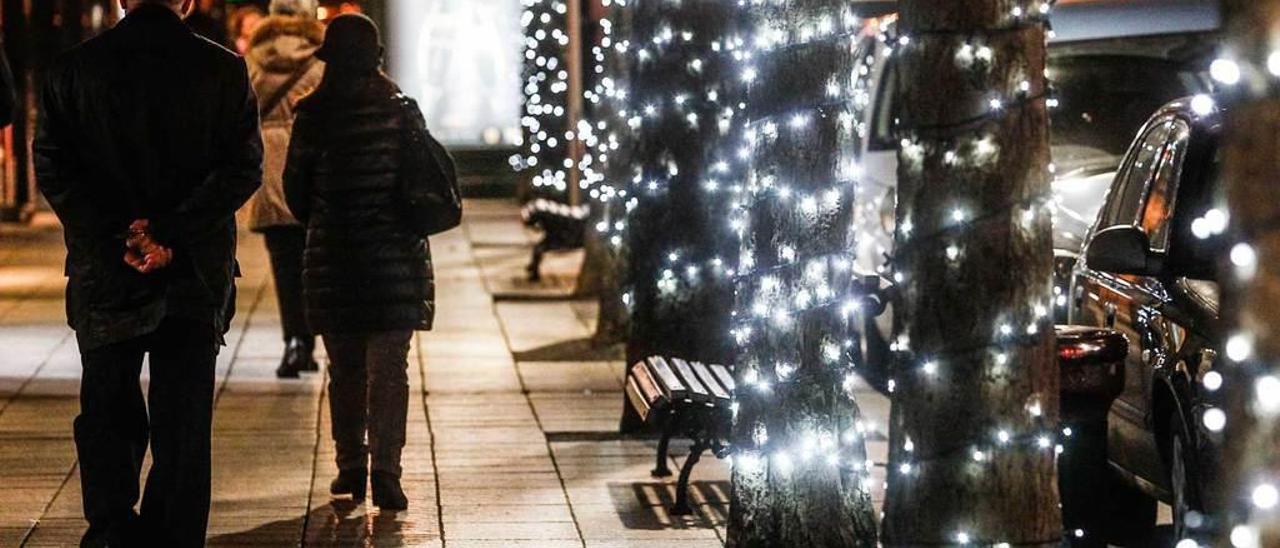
x=148 y=144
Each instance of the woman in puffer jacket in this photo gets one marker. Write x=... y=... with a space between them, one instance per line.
x=367 y=276
x=283 y=69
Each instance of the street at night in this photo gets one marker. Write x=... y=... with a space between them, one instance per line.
x=640 y=273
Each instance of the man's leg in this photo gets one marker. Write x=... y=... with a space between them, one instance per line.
x=388 y=398
x=348 y=400
x=111 y=440
x=175 y=505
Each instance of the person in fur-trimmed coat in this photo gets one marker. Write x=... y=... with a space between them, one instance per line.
x=283 y=67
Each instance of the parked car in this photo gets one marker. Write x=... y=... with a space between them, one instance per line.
x=1148 y=272
x=1113 y=63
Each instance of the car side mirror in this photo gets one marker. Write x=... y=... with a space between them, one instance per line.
x=1123 y=250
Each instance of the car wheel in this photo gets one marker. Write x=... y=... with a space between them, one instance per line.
x=1129 y=515
x=1188 y=509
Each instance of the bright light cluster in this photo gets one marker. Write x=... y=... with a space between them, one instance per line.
x=545 y=121
x=798 y=263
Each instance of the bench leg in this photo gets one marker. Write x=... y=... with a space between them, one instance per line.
x=535 y=262
x=662 y=469
x=681 y=507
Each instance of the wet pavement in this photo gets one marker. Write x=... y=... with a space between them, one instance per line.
x=511 y=442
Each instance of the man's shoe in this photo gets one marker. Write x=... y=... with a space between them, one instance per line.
x=387 y=493
x=350 y=482
x=296 y=356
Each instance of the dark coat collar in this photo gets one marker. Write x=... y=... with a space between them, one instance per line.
x=152 y=15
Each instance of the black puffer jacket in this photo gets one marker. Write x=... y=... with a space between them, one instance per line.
x=364 y=271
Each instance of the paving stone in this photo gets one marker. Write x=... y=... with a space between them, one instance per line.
x=504 y=513
x=477 y=426
x=519 y=530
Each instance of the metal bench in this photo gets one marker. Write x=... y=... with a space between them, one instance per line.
x=563 y=226
x=689 y=398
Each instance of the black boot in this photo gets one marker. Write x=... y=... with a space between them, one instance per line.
x=350 y=482
x=296 y=357
x=387 y=493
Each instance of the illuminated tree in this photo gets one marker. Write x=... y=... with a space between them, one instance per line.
x=1251 y=276
x=682 y=116
x=801 y=476
x=545 y=121
x=607 y=168
x=975 y=391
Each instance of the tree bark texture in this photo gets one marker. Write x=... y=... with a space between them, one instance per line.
x=1251 y=296
x=681 y=289
x=609 y=170
x=976 y=399
x=801 y=475
x=545 y=120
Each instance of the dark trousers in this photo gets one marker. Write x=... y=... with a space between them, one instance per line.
x=369 y=392
x=285 y=245
x=113 y=431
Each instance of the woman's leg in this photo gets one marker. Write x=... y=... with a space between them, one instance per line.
x=285 y=245
x=388 y=363
x=348 y=399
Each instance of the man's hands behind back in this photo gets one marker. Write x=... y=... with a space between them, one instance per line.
x=142 y=251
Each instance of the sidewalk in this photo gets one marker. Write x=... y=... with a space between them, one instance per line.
x=501 y=453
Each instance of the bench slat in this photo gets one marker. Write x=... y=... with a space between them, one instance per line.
x=697 y=392
x=672 y=386
x=725 y=377
x=709 y=380
x=639 y=401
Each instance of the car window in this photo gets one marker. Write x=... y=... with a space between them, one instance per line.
x=882 y=123
x=1104 y=99
x=1157 y=213
x=1130 y=190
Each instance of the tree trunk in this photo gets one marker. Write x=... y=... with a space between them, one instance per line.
x=546 y=108
x=801 y=475
x=976 y=400
x=607 y=168
x=1251 y=279
x=599 y=116
x=681 y=290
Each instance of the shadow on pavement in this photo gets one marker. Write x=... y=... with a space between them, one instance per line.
x=339 y=523
x=577 y=350
x=646 y=505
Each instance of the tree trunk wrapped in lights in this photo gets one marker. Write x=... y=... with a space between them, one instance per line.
x=545 y=121
x=975 y=400
x=1251 y=276
x=607 y=169
x=682 y=116
x=801 y=476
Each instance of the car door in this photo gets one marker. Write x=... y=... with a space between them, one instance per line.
x=1143 y=196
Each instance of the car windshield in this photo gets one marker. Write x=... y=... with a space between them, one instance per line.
x=1103 y=102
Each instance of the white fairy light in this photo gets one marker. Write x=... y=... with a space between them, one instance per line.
x=1225 y=71
x=1245 y=536
x=1265 y=496
x=1212 y=381
x=1203 y=105
x=1266 y=391
x=1239 y=347
x=1214 y=419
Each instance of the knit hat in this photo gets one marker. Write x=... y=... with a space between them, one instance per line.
x=352 y=41
x=304 y=8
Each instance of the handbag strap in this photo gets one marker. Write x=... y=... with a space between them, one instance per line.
x=278 y=96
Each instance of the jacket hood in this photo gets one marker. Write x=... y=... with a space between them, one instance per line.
x=282 y=43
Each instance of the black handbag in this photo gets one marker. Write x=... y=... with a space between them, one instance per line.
x=429 y=197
